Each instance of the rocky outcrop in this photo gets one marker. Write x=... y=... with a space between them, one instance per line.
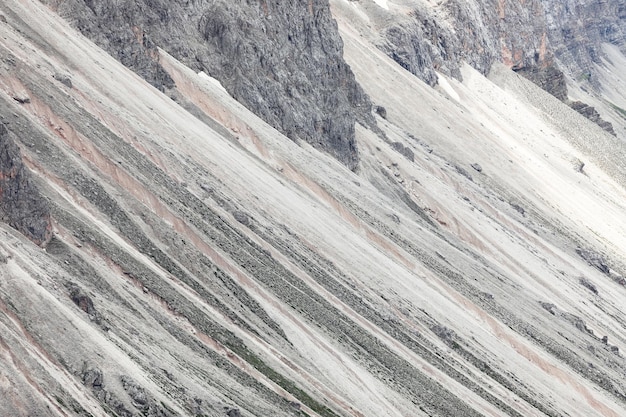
x=83 y=301
x=538 y=39
x=406 y=44
x=282 y=60
x=577 y=28
x=475 y=33
x=21 y=204
x=594 y=259
x=592 y=114
x=114 y=29
x=550 y=79
x=528 y=36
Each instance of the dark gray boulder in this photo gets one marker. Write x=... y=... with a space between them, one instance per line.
x=233 y=412
x=92 y=377
x=589 y=285
x=403 y=150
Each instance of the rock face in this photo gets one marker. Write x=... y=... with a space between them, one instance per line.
x=538 y=39
x=473 y=32
x=576 y=29
x=528 y=36
x=21 y=205
x=550 y=78
x=282 y=60
x=113 y=29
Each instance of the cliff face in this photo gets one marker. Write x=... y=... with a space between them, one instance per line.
x=285 y=60
x=539 y=39
x=21 y=204
x=577 y=28
x=524 y=35
x=282 y=60
x=469 y=31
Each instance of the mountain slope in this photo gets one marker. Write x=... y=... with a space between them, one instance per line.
x=548 y=42
x=283 y=61
x=202 y=263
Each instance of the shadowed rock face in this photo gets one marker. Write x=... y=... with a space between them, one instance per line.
x=282 y=60
x=21 y=205
x=550 y=79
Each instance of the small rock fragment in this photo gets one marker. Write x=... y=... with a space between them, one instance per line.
x=241 y=217
x=549 y=307
x=578 y=165
x=381 y=111
x=63 y=79
x=93 y=378
x=518 y=208
x=463 y=172
x=21 y=98
x=594 y=259
x=403 y=150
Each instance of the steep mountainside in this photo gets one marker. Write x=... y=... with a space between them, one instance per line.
x=169 y=251
x=539 y=39
x=528 y=35
x=282 y=60
x=443 y=38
